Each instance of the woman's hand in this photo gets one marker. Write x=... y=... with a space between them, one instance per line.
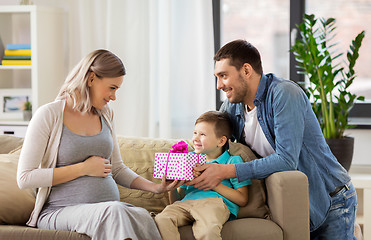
x=96 y=166
x=167 y=185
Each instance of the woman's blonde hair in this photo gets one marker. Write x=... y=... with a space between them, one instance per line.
x=101 y=62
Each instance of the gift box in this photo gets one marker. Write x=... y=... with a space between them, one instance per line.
x=177 y=165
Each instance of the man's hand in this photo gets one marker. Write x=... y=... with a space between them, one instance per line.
x=212 y=174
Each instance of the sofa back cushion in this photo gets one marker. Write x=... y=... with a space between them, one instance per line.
x=16 y=205
x=139 y=155
x=257 y=201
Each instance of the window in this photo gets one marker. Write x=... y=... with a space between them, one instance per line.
x=267 y=23
x=352 y=16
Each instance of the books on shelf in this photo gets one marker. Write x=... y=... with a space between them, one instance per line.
x=18 y=46
x=17 y=58
x=16 y=54
x=16 y=62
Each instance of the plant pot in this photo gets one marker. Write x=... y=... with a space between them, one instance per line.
x=342 y=148
x=27 y=114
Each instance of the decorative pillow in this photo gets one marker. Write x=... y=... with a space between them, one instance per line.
x=16 y=151
x=139 y=154
x=9 y=143
x=256 y=206
x=16 y=205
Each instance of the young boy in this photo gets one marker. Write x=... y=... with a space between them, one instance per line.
x=207 y=210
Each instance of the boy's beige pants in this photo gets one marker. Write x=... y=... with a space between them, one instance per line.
x=207 y=215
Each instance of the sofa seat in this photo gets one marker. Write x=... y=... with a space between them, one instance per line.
x=13 y=232
x=246 y=229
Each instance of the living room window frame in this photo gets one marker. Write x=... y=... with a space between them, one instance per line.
x=360 y=115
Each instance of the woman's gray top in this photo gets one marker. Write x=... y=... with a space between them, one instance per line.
x=76 y=148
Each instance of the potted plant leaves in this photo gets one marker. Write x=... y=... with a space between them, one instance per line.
x=329 y=80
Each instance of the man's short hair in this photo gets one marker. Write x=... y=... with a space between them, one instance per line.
x=240 y=52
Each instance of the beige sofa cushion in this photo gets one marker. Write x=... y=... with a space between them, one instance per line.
x=135 y=153
x=9 y=143
x=15 y=204
x=256 y=206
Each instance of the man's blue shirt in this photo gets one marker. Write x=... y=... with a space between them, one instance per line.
x=193 y=193
x=292 y=129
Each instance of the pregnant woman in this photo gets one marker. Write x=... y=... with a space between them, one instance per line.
x=71 y=155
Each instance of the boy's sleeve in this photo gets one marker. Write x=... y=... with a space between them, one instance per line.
x=234 y=181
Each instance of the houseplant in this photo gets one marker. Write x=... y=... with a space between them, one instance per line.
x=329 y=80
x=27 y=111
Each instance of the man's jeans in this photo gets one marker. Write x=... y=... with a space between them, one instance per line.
x=339 y=224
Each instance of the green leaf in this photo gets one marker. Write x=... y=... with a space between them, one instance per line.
x=315 y=52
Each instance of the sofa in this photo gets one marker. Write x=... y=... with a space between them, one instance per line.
x=278 y=206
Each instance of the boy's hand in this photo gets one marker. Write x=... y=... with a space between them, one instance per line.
x=195 y=172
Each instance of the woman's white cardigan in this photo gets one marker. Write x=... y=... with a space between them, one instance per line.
x=38 y=156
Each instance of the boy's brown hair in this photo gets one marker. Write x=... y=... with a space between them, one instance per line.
x=221 y=121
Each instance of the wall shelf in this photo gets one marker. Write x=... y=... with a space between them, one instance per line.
x=41 y=27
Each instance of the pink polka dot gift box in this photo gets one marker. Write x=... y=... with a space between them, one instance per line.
x=178 y=163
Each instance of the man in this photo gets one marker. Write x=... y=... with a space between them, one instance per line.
x=275 y=119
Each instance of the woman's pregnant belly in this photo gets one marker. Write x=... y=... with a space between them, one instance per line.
x=84 y=189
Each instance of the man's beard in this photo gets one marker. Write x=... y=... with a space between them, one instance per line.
x=240 y=93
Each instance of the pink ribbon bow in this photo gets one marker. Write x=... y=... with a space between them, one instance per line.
x=180 y=147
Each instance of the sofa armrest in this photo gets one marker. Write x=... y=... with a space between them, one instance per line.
x=288 y=201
